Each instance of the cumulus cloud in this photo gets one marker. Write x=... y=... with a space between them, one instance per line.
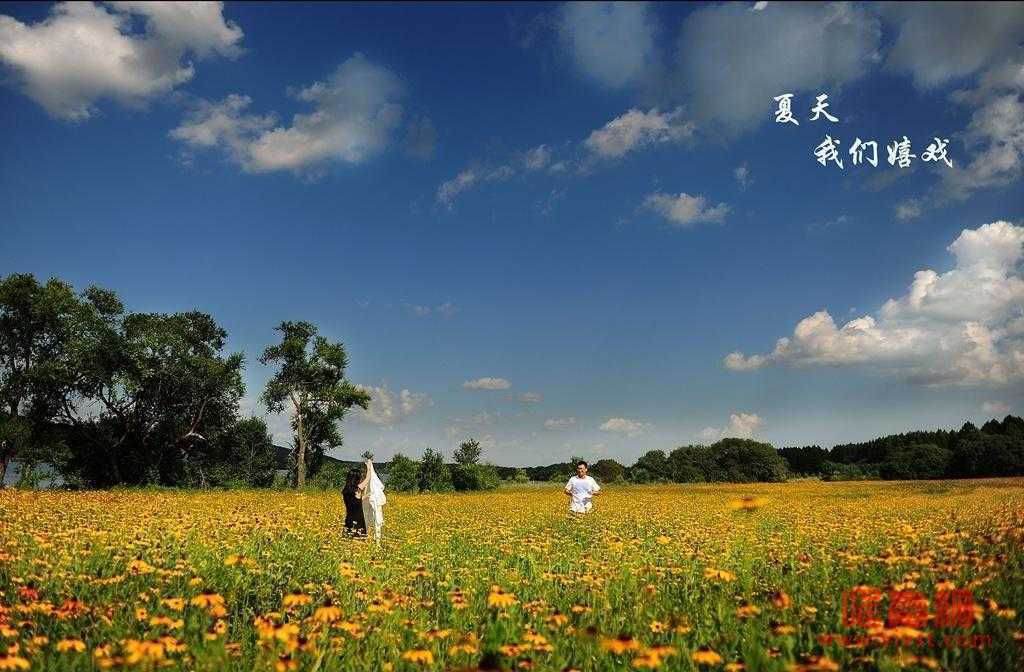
x=995 y=135
x=386 y=409
x=531 y=397
x=963 y=327
x=355 y=113
x=971 y=34
x=83 y=52
x=560 y=423
x=732 y=61
x=741 y=425
x=636 y=129
x=611 y=42
x=487 y=383
x=684 y=209
x=624 y=426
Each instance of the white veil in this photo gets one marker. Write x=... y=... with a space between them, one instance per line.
x=374 y=487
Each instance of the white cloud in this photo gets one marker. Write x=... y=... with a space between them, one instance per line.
x=683 y=209
x=741 y=425
x=962 y=327
x=560 y=423
x=223 y=124
x=537 y=158
x=468 y=178
x=611 y=42
x=624 y=426
x=969 y=37
x=385 y=410
x=733 y=61
x=759 y=6
x=487 y=383
x=636 y=129
x=531 y=397
x=84 y=52
x=742 y=174
x=996 y=409
x=355 y=113
x=995 y=134
x=908 y=209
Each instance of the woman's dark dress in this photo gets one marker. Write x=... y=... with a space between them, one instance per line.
x=354 y=522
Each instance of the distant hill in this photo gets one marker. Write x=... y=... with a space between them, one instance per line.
x=283 y=454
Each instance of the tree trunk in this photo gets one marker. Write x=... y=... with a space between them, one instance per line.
x=3 y=469
x=300 y=462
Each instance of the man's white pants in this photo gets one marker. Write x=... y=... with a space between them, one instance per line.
x=374 y=517
x=580 y=507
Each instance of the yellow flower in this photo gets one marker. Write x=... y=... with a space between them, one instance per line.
x=75 y=645
x=746 y=611
x=173 y=603
x=328 y=613
x=620 y=644
x=419 y=656
x=705 y=656
x=713 y=574
x=499 y=599
x=146 y=650
x=13 y=663
x=747 y=503
x=296 y=600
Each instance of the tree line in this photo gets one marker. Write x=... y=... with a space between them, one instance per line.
x=110 y=397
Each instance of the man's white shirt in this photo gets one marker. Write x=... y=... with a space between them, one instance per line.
x=581 y=490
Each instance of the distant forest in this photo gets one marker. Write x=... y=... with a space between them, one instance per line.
x=97 y=396
x=997 y=449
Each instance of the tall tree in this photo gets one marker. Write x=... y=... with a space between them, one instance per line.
x=41 y=328
x=468 y=453
x=150 y=398
x=311 y=382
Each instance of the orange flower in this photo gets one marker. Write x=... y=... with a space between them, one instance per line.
x=328 y=613
x=620 y=644
x=419 y=656
x=499 y=599
x=296 y=600
x=713 y=574
x=13 y=663
x=75 y=645
x=705 y=656
x=780 y=600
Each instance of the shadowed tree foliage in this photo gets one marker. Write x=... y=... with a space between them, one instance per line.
x=152 y=402
x=311 y=383
x=467 y=472
x=403 y=474
x=607 y=471
x=434 y=474
x=44 y=339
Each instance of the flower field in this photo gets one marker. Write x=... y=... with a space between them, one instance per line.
x=794 y=576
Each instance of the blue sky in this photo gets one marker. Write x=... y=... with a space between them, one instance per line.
x=546 y=226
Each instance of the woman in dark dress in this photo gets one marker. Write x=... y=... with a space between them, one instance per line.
x=355 y=524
